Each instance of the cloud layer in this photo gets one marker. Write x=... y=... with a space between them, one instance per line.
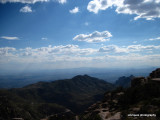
x=69 y=50
x=153 y=39
x=74 y=56
x=147 y=9
x=94 y=37
x=6 y=51
x=128 y=49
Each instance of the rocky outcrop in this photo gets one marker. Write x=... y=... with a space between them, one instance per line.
x=155 y=74
x=107 y=108
x=138 y=81
x=142 y=98
x=124 y=81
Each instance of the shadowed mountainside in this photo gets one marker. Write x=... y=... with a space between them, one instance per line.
x=124 y=81
x=46 y=98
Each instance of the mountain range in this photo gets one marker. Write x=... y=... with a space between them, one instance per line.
x=41 y=99
x=23 y=78
x=84 y=98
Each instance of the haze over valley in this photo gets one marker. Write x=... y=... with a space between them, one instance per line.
x=16 y=79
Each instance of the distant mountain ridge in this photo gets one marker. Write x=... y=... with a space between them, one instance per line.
x=23 y=78
x=124 y=81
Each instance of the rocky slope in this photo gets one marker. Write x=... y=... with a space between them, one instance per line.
x=155 y=74
x=141 y=101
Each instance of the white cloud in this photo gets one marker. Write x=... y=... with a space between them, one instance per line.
x=152 y=39
x=23 y=1
x=86 y=23
x=97 y=5
x=44 y=38
x=113 y=49
x=133 y=48
x=5 y=51
x=147 y=9
x=30 y=1
x=94 y=37
x=62 y=1
x=10 y=38
x=128 y=49
x=26 y=9
x=74 y=11
x=67 y=50
x=70 y=50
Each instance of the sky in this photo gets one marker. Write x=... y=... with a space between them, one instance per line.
x=58 y=34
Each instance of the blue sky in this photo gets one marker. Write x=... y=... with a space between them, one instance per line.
x=53 y=34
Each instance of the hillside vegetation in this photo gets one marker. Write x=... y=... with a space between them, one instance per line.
x=48 y=98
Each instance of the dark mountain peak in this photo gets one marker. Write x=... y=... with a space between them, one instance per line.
x=155 y=73
x=82 y=76
x=124 y=81
x=86 y=79
x=131 y=76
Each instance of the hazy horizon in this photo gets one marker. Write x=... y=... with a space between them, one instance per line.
x=10 y=79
